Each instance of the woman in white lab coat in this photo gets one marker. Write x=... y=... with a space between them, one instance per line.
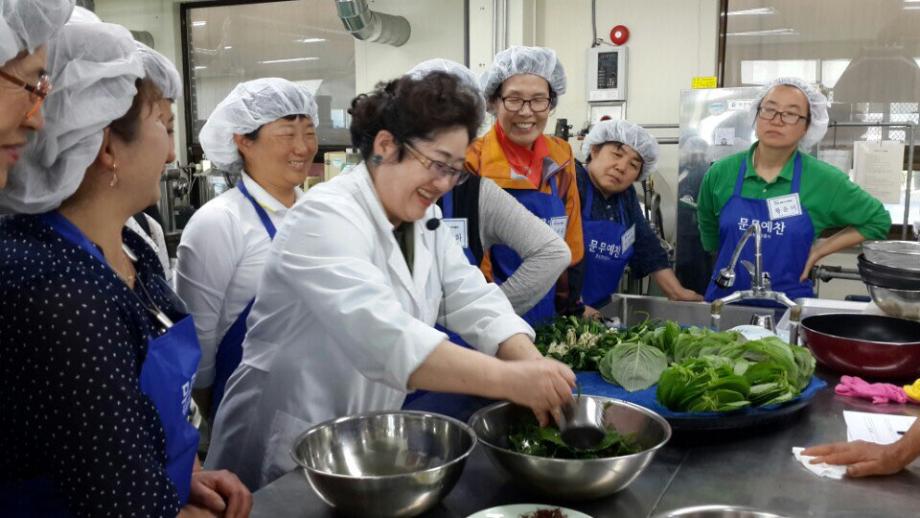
x=264 y=130
x=358 y=275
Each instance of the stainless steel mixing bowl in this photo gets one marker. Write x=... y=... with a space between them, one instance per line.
x=567 y=478
x=387 y=464
x=897 y=303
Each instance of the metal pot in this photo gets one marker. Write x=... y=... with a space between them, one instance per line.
x=865 y=345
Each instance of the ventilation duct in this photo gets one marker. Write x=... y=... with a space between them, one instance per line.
x=371 y=26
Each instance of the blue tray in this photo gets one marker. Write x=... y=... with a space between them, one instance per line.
x=593 y=384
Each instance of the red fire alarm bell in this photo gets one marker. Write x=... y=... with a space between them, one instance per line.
x=619 y=35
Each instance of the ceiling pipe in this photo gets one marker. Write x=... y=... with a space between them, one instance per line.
x=371 y=26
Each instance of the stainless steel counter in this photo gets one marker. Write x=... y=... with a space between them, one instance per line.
x=754 y=468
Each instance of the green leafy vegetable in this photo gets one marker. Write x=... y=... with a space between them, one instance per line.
x=709 y=371
x=530 y=439
x=633 y=365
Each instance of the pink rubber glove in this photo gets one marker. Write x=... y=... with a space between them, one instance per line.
x=879 y=393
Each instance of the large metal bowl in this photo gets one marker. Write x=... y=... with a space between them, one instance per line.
x=387 y=464
x=718 y=511
x=565 y=478
x=894 y=254
x=897 y=303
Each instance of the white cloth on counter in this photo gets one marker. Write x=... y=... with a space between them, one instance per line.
x=340 y=324
x=822 y=469
x=157 y=241
x=220 y=261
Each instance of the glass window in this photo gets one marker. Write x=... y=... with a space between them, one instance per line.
x=302 y=40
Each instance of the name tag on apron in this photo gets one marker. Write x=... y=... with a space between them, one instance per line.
x=784 y=206
x=559 y=224
x=458 y=228
x=629 y=237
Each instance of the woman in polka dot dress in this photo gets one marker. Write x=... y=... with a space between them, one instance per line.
x=97 y=354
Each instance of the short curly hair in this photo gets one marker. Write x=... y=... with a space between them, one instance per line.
x=414 y=108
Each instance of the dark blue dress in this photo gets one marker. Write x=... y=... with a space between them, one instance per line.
x=73 y=338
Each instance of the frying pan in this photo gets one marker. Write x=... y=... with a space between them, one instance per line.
x=871 y=346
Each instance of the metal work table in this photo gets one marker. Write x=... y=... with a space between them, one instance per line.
x=754 y=467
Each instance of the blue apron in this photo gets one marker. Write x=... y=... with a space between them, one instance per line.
x=454 y=405
x=786 y=240
x=608 y=249
x=167 y=375
x=230 y=349
x=551 y=209
x=459 y=226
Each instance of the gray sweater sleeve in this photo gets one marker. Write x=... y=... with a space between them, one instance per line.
x=504 y=221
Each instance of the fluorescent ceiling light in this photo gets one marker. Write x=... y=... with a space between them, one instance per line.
x=287 y=60
x=228 y=47
x=768 y=32
x=753 y=12
x=199 y=23
x=201 y=67
x=310 y=40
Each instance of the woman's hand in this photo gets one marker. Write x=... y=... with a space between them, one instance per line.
x=861 y=458
x=220 y=492
x=591 y=313
x=686 y=295
x=194 y=511
x=846 y=238
x=813 y=257
x=672 y=288
x=543 y=385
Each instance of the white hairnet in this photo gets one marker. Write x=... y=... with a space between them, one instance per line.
x=632 y=135
x=29 y=24
x=83 y=15
x=247 y=108
x=161 y=71
x=464 y=74
x=523 y=60
x=93 y=67
x=817 y=108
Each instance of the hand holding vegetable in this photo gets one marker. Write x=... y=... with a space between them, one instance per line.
x=542 y=385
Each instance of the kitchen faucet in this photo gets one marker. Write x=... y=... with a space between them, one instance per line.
x=760 y=285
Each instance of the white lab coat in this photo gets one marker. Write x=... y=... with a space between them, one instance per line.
x=339 y=324
x=157 y=241
x=220 y=261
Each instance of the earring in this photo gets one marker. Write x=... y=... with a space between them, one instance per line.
x=114 y=181
x=376 y=159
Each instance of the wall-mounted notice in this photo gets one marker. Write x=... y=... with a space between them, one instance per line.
x=878 y=167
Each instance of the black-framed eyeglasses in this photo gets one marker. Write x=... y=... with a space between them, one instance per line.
x=537 y=104
x=444 y=171
x=37 y=92
x=770 y=114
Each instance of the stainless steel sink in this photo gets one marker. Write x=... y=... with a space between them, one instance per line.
x=633 y=309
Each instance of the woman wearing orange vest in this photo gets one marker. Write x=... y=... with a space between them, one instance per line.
x=521 y=87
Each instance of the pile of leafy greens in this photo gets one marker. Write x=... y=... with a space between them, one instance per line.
x=577 y=342
x=696 y=369
x=530 y=439
x=736 y=375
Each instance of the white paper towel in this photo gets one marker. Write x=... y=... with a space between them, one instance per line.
x=822 y=470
